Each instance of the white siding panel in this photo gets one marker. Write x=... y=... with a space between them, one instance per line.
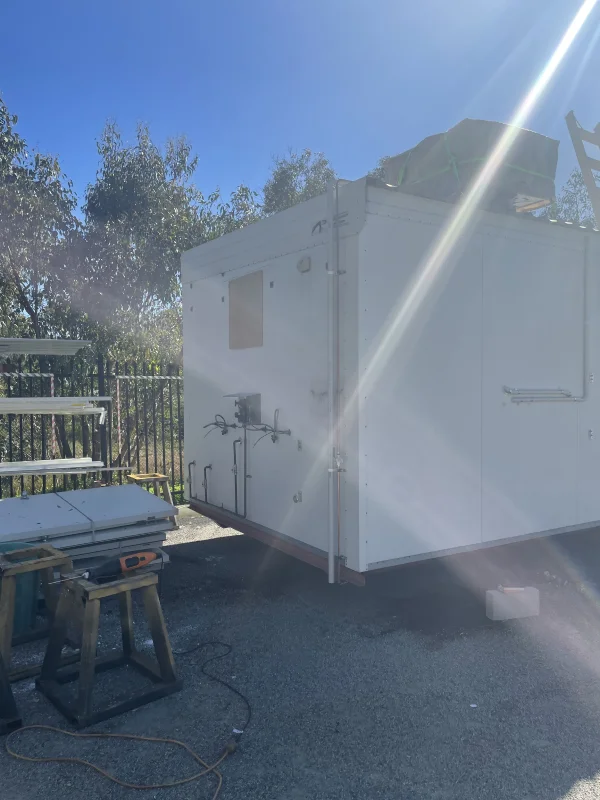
x=533 y=339
x=420 y=424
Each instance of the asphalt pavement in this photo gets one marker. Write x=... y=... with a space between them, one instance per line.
x=402 y=689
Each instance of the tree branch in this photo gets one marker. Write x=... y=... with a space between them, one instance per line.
x=26 y=303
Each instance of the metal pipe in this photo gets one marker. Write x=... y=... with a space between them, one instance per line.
x=338 y=488
x=235 y=474
x=245 y=472
x=205 y=482
x=332 y=380
x=586 y=318
x=190 y=465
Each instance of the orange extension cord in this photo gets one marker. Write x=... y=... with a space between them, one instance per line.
x=207 y=768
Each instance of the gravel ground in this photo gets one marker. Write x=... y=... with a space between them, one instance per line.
x=401 y=689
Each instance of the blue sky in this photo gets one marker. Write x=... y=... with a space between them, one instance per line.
x=245 y=80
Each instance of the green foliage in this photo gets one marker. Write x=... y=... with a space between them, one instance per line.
x=142 y=212
x=114 y=276
x=573 y=202
x=155 y=337
x=378 y=171
x=295 y=178
x=225 y=216
x=37 y=217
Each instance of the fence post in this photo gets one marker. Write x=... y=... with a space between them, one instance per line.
x=108 y=422
x=103 y=428
x=180 y=435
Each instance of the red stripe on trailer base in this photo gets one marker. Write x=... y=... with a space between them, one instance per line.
x=273 y=539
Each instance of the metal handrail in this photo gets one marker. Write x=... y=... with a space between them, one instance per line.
x=518 y=395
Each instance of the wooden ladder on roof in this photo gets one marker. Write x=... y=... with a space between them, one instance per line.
x=590 y=166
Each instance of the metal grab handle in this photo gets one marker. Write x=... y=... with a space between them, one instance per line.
x=538 y=395
x=205 y=482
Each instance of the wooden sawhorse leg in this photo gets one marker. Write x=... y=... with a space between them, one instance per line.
x=9 y=715
x=40 y=562
x=7 y=615
x=158 y=631
x=79 y=594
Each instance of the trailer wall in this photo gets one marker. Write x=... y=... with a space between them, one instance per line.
x=448 y=459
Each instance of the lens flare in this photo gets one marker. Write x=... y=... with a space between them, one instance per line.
x=457 y=227
x=438 y=263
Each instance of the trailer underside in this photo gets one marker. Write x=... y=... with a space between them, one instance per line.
x=306 y=553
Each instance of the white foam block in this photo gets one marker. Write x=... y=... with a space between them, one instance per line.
x=501 y=605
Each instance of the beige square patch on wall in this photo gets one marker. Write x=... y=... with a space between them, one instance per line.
x=246 y=311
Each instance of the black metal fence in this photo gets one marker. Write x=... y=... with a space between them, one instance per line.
x=143 y=431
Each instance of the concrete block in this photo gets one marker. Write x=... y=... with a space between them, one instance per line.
x=513 y=604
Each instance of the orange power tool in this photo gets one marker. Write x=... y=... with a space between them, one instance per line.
x=114 y=567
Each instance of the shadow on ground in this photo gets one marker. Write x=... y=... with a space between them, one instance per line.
x=401 y=690
x=533 y=732
x=439 y=597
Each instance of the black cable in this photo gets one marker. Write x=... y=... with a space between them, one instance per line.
x=220 y=423
x=231 y=688
x=266 y=428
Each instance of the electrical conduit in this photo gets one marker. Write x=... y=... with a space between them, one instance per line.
x=333 y=384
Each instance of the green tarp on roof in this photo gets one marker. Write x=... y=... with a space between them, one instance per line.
x=442 y=166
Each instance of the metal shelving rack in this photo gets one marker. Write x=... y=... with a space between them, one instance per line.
x=49 y=405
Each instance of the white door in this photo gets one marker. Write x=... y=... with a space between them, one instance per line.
x=533 y=320
x=421 y=421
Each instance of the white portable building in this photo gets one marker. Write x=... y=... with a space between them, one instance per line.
x=424 y=382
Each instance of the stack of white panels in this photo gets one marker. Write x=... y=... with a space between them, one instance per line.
x=50 y=466
x=41 y=347
x=86 y=523
x=52 y=405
